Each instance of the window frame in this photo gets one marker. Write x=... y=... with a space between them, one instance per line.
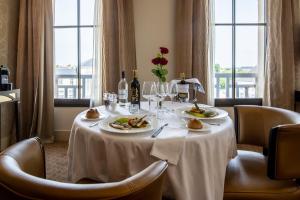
x=79 y=102
x=229 y=102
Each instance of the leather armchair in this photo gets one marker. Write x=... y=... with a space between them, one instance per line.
x=271 y=175
x=22 y=176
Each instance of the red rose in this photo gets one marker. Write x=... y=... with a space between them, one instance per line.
x=163 y=61
x=164 y=50
x=156 y=61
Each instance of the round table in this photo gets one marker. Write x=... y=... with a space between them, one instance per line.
x=197 y=173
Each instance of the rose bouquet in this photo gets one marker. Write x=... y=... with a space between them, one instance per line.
x=160 y=61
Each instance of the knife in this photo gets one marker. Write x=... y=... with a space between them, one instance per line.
x=159 y=130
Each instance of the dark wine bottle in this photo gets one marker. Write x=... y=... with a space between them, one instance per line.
x=183 y=89
x=135 y=90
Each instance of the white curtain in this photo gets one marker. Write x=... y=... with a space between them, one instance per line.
x=96 y=98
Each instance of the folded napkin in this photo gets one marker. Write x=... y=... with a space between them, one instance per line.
x=198 y=86
x=169 y=144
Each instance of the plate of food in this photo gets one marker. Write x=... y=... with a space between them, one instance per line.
x=195 y=125
x=92 y=115
x=201 y=112
x=127 y=124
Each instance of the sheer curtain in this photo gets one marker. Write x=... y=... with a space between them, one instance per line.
x=192 y=43
x=114 y=46
x=280 y=64
x=34 y=74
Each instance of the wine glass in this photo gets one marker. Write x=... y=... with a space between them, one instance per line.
x=162 y=91
x=172 y=90
x=148 y=92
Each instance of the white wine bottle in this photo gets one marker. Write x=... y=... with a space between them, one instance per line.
x=123 y=90
x=183 y=89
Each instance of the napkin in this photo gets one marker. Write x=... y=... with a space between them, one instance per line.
x=198 y=86
x=169 y=144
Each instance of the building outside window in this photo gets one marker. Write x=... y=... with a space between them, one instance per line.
x=239 y=35
x=73 y=48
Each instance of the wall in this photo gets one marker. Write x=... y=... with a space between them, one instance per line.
x=9 y=12
x=154 y=27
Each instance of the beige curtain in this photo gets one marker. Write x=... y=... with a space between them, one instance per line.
x=118 y=42
x=35 y=68
x=280 y=63
x=192 y=41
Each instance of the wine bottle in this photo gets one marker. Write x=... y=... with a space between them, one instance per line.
x=183 y=89
x=135 y=93
x=123 y=90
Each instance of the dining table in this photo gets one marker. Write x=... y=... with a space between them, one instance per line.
x=197 y=159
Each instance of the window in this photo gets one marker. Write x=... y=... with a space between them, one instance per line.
x=239 y=34
x=73 y=49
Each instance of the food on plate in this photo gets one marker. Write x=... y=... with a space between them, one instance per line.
x=126 y=123
x=199 y=112
x=194 y=124
x=92 y=113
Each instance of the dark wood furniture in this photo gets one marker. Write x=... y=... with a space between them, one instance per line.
x=11 y=96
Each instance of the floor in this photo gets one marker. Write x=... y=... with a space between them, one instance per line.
x=57 y=162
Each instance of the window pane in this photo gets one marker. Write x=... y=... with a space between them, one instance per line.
x=65 y=12
x=66 y=63
x=223 y=11
x=86 y=61
x=223 y=62
x=87 y=12
x=249 y=60
x=250 y=11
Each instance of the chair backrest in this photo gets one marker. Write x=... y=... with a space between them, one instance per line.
x=22 y=172
x=284 y=152
x=253 y=123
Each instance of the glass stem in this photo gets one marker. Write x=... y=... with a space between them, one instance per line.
x=149 y=101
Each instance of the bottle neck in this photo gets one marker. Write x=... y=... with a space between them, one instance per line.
x=123 y=75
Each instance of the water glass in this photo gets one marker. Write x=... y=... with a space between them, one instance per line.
x=172 y=90
x=148 y=91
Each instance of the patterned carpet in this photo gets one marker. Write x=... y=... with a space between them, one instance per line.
x=57 y=162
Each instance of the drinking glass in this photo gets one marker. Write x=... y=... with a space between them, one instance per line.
x=147 y=91
x=162 y=91
x=172 y=90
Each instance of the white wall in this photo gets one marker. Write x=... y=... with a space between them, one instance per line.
x=154 y=27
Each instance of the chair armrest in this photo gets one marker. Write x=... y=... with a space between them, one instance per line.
x=253 y=123
x=284 y=156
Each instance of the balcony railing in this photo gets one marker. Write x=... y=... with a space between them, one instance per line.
x=67 y=86
x=245 y=85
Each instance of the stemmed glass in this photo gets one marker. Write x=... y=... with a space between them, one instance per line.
x=162 y=91
x=148 y=91
x=172 y=90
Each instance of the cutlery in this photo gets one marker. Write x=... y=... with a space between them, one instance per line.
x=159 y=130
x=216 y=124
x=94 y=124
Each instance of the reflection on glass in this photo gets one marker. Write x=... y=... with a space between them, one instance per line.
x=249 y=59
x=250 y=11
x=223 y=11
x=66 y=63
x=223 y=62
x=86 y=61
x=87 y=12
x=65 y=12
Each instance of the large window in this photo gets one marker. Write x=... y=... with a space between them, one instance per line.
x=73 y=46
x=239 y=48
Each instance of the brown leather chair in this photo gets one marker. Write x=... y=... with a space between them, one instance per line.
x=272 y=175
x=22 y=176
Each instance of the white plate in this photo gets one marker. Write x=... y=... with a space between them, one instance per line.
x=205 y=128
x=181 y=112
x=104 y=125
x=83 y=117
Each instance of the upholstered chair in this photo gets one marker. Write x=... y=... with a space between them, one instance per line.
x=272 y=174
x=22 y=176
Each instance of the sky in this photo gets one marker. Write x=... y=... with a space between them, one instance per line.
x=246 y=36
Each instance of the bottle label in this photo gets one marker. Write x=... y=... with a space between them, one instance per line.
x=183 y=92
x=4 y=79
x=122 y=94
x=134 y=96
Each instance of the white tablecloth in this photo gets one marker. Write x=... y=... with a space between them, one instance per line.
x=198 y=174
